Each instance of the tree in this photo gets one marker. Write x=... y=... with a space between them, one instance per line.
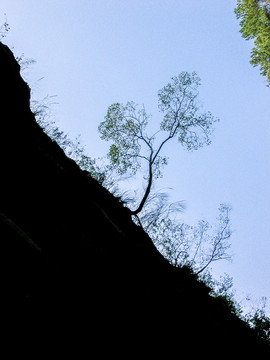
x=218 y=240
x=254 y=18
x=194 y=246
x=126 y=127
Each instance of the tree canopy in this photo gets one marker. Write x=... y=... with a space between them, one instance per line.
x=254 y=18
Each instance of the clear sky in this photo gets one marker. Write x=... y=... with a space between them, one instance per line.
x=92 y=53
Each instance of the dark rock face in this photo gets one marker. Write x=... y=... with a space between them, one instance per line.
x=74 y=263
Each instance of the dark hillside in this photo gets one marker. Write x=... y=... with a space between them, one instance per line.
x=74 y=263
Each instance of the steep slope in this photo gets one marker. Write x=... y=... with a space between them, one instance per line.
x=74 y=262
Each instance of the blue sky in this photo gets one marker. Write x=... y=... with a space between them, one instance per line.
x=92 y=53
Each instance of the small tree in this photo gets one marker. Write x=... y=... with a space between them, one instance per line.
x=260 y=321
x=195 y=246
x=126 y=127
x=219 y=244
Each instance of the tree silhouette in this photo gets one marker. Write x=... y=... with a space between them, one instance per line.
x=126 y=127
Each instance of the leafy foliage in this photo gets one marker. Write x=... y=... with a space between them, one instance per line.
x=258 y=319
x=254 y=18
x=178 y=101
x=222 y=289
x=125 y=126
x=260 y=322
